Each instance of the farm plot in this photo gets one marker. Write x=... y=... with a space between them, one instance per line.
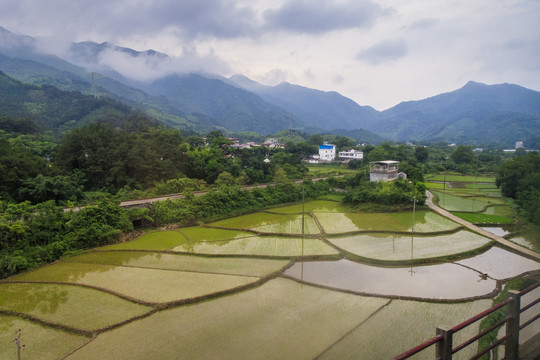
x=438 y=282
x=159 y=240
x=41 y=342
x=483 y=218
x=272 y=223
x=261 y=246
x=279 y=320
x=312 y=206
x=198 y=233
x=491 y=262
x=425 y=221
x=404 y=324
x=398 y=247
x=150 y=285
x=457 y=203
x=229 y=266
x=69 y=305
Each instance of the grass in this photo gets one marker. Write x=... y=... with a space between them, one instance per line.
x=484 y=218
x=395 y=248
x=73 y=306
x=149 y=285
x=241 y=326
x=261 y=246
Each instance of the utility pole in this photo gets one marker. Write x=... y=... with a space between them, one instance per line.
x=20 y=347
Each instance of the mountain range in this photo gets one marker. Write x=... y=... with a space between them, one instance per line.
x=474 y=114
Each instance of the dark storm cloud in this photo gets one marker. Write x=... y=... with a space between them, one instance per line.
x=321 y=16
x=384 y=51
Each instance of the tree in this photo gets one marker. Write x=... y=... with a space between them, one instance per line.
x=463 y=155
x=421 y=153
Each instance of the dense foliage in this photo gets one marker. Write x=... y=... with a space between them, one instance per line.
x=31 y=235
x=519 y=179
x=398 y=192
x=231 y=199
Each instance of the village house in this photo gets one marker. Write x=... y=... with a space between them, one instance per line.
x=386 y=170
x=327 y=152
x=347 y=155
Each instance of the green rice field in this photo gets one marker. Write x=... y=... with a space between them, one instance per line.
x=262 y=246
x=397 y=247
x=41 y=342
x=148 y=285
x=424 y=221
x=271 y=223
x=162 y=240
x=73 y=306
x=484 y=218
x=207 y=292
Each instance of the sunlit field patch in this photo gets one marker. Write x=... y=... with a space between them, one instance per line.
x=261 y=246
x=424 y=221
x=279 y=320
x=41 y=342
x=248 y=267
x=159 y=240
x=149 y=285
x=392 y=248
x=402 y=325
x=69 y=305
x=265 y=222
x=314 y=206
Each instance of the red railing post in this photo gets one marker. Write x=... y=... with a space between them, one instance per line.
x=444 y=347
x=512 y=326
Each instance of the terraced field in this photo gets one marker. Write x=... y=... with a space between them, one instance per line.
x=255 y=287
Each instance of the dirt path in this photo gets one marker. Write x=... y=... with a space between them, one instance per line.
x=500 y=240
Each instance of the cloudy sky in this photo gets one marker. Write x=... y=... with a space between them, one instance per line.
x=377 y=52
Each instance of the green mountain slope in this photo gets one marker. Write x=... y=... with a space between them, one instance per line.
x=231 y=108
x=476 y=113
x=56 y=110
x=325 y=110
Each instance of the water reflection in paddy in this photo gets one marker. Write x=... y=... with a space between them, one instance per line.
x=443 y=281
x=501 y=264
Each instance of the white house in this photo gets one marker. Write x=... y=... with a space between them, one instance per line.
x=351 y=154
x=327 y=152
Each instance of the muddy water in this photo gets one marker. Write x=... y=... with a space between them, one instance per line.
x=444 y=281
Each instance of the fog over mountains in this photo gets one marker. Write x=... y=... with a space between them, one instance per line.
x=154 y=83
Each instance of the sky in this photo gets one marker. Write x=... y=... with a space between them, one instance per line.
x=376 y=52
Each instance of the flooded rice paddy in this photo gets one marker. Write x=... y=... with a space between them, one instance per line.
x=253 y=287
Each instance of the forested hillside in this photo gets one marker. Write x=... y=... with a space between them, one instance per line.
x=51 y=109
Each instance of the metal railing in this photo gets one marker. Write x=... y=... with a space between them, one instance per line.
x=444 y=336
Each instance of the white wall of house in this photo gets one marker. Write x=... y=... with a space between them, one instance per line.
x=351 y=154
x=327 y=152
